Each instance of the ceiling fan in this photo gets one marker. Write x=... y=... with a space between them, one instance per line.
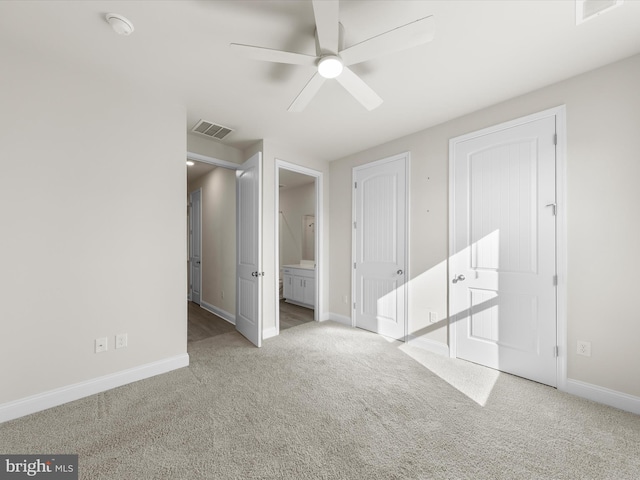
x=332 y=61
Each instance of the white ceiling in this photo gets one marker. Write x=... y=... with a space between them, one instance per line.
x=483 y=52
x=289 y=179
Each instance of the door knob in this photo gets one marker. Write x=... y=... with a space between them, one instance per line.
x=400 y=272
x=459 y=278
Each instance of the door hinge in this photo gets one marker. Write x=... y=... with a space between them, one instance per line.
x=556 y=351
x=555 y=280
x=355 y=224
x=354 y=305
x=555 y=139
x=355 y=185
x=354 y=264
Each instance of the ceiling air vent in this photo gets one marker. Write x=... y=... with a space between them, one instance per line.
x=588 y=9
x=211 y=130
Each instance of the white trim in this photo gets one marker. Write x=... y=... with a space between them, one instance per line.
x=58 y=396
x=343 y=319
x=613 y=398
x=407 y=158
x=561 y=244
x=191 y=217
x=428 y=344
x=318 y=313
x=212 y=161
x=219 y=312
x=269 y=332
x=561 y=226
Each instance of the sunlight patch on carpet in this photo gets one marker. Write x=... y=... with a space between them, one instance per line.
x=474 y=381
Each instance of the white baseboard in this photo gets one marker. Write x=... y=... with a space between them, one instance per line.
x=340 y=319
x=58 y=396
x=428 y=344
x=269 y=332
x=613 y=398
x=219 y=312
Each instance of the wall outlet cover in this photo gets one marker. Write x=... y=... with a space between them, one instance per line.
x=584 y=348
x=121 y=340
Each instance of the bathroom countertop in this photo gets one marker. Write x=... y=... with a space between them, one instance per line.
x=301 y=265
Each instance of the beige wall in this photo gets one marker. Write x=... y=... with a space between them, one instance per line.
x=295 y=203
x=92 y=213
x=218 y=237
x=603 y=170
x=213 y=148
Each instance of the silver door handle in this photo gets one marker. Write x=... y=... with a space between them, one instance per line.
x=459 y=278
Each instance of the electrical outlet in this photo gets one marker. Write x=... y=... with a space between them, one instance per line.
x=101 y=345
x=345 y=299
x=433 y=317
x=121 y=340
x=584 y=348
x=222 y=293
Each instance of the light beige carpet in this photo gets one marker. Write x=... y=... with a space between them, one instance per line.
x=324 y=401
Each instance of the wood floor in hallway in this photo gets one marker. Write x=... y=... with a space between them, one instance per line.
x=204 y=324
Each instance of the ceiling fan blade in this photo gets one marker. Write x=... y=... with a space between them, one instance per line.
x=307 y=93
x=278 y=56
x=326 y=15
x=400 y=38
x=360 y=90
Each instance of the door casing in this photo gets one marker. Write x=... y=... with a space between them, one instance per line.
x=193 y=221
x=319 y=213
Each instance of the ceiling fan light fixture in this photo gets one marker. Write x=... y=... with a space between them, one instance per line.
x=120 y=24
x=330 y=66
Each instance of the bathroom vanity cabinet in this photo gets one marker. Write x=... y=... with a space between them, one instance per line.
x=299 y=285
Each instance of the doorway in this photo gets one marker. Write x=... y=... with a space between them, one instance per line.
x=227 y=201
x=298 y=240
x=503 y=262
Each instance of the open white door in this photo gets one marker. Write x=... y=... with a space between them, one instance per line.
x=248 y=244
x=380 y=209
x=503 y=259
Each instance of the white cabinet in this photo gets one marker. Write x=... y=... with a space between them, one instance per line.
x=299 y=286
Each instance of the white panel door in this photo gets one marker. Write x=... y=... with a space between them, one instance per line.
x=195 y=241
x=503 y=264
x=379 y=248
x=248 y=298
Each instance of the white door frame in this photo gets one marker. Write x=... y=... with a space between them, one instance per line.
x=191 y=220
x=561 y=227
x=407 y=272
x=319 y=211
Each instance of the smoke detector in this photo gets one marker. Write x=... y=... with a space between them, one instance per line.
x=120 y=24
